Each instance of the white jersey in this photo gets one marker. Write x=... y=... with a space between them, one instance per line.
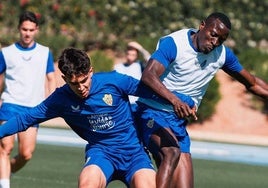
x=25 y=75
x=191 y=71
x=187 y=70
x=133 y=70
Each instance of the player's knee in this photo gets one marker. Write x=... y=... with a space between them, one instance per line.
x=26 y=155
x=170 y=153
x=6 y=149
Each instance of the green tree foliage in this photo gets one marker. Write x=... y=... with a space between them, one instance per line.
x=110 y=24
x=211 y=98
x=255 y=61
x=100 y=61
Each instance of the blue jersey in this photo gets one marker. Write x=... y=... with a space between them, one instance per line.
x=103 y=119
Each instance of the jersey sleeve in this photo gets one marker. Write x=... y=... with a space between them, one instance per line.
x=2 y=63
x=131 y=86
x=22 y=122
x=44 y=111
x=232 y=63
x=166 y=51
x=50 y=63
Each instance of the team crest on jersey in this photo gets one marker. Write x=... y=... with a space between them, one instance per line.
x=150 y=123
x=108 y=99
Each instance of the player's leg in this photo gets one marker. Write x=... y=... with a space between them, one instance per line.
x=98 y=169
x=26 y=146
x=144 y=178
x=6 y=146
x=163 y=145
x=183 y=175
x=92 y=177
x=141 y=172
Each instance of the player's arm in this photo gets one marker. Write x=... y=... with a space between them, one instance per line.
x=48 y=109
x=2 y=75
x=10 y=127
x=146 y=55
x=2 y=83
x=50 y=73
x=253 y=84
x=51 y=81
x=151 y=77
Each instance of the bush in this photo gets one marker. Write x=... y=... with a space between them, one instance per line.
x=100 y=61
x=256 y=62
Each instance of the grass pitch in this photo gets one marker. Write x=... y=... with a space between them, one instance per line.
x=59 y=167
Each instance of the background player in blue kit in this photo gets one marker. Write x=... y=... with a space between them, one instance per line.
x=24 y=68
x=181 y=67
x=97 y=108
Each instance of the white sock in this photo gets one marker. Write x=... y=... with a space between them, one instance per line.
x=4 y=183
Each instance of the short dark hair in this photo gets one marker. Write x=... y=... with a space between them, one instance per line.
x=73 y=61
x=222 y=17
x=28 y=16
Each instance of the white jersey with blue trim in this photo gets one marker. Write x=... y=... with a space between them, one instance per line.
x=25 y=74
x=103 y=119
x=187 y=70
x=134 y=69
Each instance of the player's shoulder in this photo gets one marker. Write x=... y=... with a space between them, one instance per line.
x=8 y=47
x=38 y=45
x=107 y=75
x=111 y=77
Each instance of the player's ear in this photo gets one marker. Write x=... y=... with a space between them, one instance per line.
x=202 y=25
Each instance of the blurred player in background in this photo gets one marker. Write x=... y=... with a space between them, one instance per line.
x=133 y=66
x=24 y=68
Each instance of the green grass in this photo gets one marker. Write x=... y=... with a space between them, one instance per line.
x=59 y=167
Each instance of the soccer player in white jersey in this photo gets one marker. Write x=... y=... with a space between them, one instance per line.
x=133 y=66
x=24 y=68
x=97 y=108
x=181 y=68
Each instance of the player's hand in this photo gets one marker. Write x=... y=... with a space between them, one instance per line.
x=136 y=45
x=184 y=111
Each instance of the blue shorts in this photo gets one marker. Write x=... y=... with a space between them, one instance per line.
x=148 y=120
x=9 y=110
x=118 y=165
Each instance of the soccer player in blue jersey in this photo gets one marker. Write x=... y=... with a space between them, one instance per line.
x=97 y=108
x=180 y=70
x=24 y=68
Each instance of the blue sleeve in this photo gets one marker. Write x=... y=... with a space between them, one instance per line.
x=232 y=63
x=50 y=63
x=2 y=63
x=131 y=86
x=166 y=51
x=44 y=111
x=21 y=122
x=10 y=127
